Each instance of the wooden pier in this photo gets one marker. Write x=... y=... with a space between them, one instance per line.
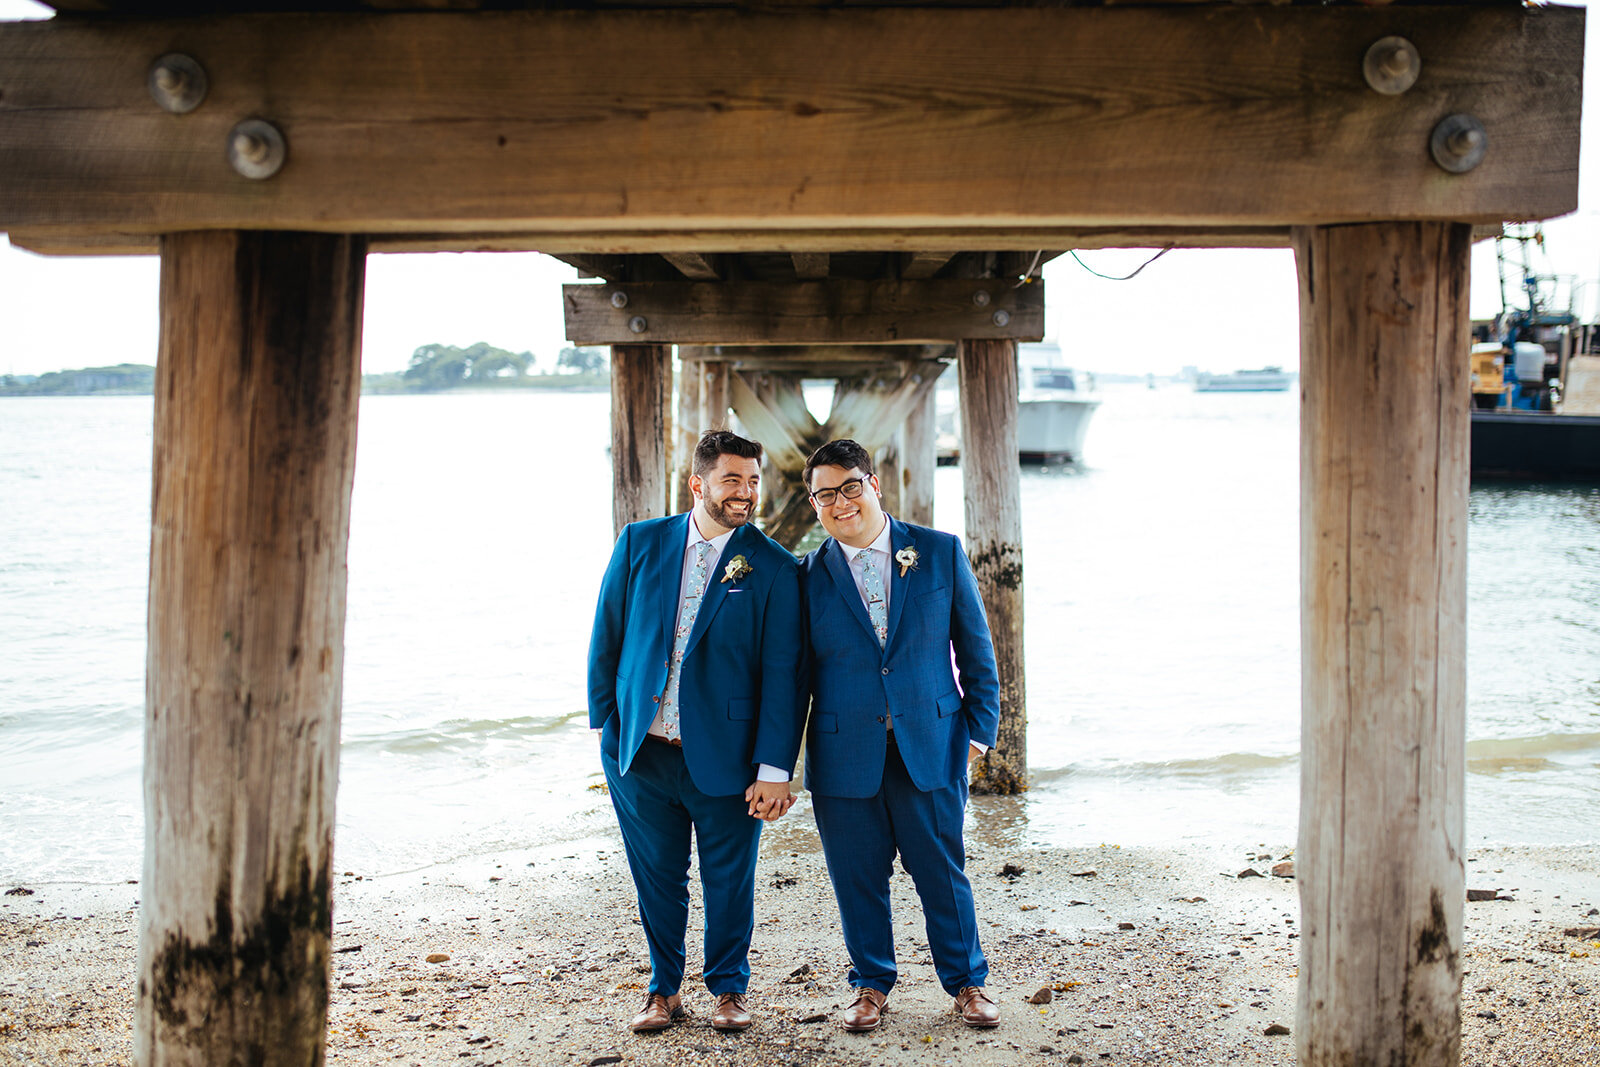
x=782 y=190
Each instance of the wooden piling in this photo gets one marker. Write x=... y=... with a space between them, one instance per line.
x=689 y=424
x=1384 y=478
x=641 y=382
x=993 y=483
x=918 y=459
x=257 y=382
x=715 y=394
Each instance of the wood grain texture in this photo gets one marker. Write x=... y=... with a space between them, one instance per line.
x=836 y=311
x=255 y=421
x=992 y=481
x=608 y=242
x=641 y=389
x=763 y=122
x=1384 y=477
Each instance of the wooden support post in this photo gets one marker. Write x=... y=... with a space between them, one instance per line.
x=257 y=380
x=891 y=474
x=918 y=459
x=690 y=421
x=641 y=385
x=993 y=482
x=715 y=395
x=1384 y=432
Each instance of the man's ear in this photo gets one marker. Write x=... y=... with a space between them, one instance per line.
x=696 y=485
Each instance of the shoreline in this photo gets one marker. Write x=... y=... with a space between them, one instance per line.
x=546 y=963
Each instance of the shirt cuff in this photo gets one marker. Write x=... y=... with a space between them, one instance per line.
x=768 y=773
x=980 y=746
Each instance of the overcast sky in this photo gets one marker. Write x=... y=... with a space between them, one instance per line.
x=1219 y=310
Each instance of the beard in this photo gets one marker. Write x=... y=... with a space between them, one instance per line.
x=718 y=510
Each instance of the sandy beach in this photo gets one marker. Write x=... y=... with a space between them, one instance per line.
x=1097 y=955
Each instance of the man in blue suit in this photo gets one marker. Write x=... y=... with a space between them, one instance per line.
x=694 y=686
x=891 y=732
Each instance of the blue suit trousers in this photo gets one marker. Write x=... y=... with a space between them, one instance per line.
x=657 y=808
x=859 y=840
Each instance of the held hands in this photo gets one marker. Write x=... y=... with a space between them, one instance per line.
x=973 y=752
x=768 y=800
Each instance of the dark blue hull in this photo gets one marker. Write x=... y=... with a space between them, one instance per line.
x=1535 y=445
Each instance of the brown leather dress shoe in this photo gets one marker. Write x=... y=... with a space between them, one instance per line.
x=732 y=1013
x=659 y=1012
x=976 y=1009
x=867 y=1011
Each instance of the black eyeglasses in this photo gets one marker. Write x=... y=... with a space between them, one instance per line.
x=851 y=489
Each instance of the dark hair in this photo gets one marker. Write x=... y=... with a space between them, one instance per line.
x=714 y=443
x=843 y=453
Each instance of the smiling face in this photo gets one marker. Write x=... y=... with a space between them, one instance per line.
x=851 y=522
x=725 y=496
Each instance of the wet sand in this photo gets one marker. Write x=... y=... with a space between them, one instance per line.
x=1149 y=955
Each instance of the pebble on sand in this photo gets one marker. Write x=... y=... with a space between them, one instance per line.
x=438 y=957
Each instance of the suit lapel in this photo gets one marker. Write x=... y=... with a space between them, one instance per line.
x=899 y=537
x=845 y=582
x=716 y=588
x=669 y=572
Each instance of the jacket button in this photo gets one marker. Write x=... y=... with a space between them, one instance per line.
x=666 y=663
x=880 y=718
x=656 y=699
x=886 y=670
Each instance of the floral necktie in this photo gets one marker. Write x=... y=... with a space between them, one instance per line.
x=873 y=580
x=691 y=607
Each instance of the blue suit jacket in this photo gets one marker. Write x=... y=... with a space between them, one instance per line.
x=739 y=686
x=933 y=610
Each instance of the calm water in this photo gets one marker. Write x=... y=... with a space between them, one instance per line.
x=1162 y=606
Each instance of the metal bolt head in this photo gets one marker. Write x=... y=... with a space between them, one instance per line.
x=638 y=324
x=256 y=149
x=619 y=299
x=1001 y=317
x=1458 y=143
x=981 y=298
x=1391 y=65
x=176 y=83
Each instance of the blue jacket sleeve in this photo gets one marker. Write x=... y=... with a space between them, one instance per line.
x=605 y=641
x=974 y=649
x=782 y=652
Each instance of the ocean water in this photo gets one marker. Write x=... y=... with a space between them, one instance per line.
x=1161 y=586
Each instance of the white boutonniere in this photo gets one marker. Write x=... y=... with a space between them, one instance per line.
x=736 y=570
x=907 y=558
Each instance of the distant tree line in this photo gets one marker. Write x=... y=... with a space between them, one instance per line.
x=130 y=378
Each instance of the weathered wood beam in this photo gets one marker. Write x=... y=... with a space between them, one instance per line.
x=915 y=265
x=641 y=386
x=809 y=266
x=715 y=395
x=255 y=424
x=803 y=358
x=696 y=265
x=1384 y=433
x=992 y=481
x=1226 y=116
x=609 y=267
x=836 y=311
x=568 y=246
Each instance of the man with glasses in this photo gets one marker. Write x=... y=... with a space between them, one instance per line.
x=694 y=686
x=894 y=621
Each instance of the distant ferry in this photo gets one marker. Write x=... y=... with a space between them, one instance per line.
x=1265 y=380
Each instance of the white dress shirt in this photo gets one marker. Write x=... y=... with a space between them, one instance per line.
x=766 y=772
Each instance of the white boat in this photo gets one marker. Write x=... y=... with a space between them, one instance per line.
x=1054 y=405
x=1265 y=380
